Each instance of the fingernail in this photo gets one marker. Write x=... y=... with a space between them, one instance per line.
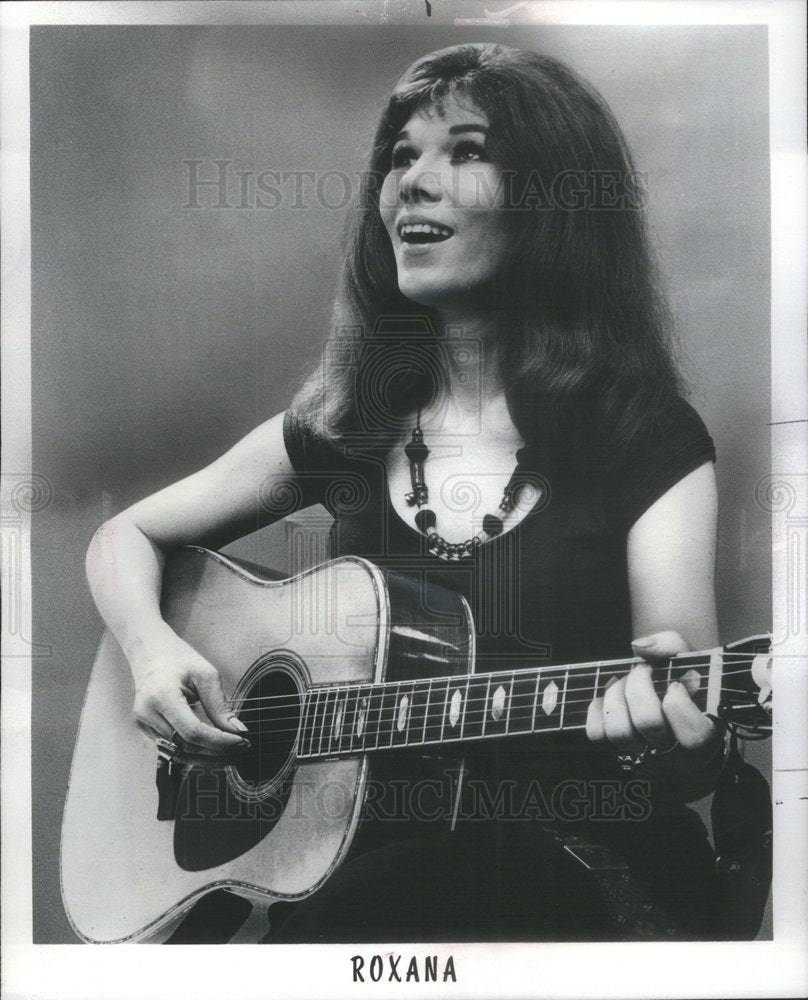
x=236 y=723
x=244 y=745
x=644 y=643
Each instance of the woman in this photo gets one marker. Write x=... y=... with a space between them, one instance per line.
x=498 y=339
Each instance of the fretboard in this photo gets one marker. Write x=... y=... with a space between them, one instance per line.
x=347 y=719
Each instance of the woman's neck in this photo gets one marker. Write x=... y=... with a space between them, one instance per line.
x=473 y=393
x=472 y=363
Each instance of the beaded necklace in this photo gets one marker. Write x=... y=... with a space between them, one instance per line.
x=426 y=520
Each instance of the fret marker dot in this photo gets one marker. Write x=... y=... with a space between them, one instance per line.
x=498 y=703
x=454 y=708
x=360 y=717
x=549 y=699
x=403 y=705
x=692 y=681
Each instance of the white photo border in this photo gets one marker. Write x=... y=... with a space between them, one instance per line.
x=755 y=969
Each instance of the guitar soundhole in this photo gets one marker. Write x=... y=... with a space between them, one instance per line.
x=271 y=709
x=224 y=810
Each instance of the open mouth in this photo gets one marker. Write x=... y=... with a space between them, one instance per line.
x=423 y=232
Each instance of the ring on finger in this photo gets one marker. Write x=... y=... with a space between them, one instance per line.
x=630 y=762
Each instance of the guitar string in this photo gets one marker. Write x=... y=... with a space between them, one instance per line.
x=518 y=674
x=327 y=721
x=304 y=717
x=527 y=696
x=517 y=702
x=573 y=670
x=478 y=706
x=384 y=686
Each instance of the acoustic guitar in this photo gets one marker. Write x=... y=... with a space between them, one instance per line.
x=327 y=669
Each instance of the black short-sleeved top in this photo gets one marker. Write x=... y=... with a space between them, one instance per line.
x=553 y=589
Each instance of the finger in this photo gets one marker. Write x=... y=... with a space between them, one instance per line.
x=191 y=729
x=594 y=722
x=659 y=647
x=692 y=728
x=155 y=726
x=645 y=708
x=211 y=694
x=617 y=720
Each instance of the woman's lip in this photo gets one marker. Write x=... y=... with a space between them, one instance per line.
x=416 y=249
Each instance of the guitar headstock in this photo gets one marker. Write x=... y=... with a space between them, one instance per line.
x=746 y=687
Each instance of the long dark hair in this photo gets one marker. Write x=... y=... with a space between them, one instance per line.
x=582 y=330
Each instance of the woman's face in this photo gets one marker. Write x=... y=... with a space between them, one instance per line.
x=441 y=205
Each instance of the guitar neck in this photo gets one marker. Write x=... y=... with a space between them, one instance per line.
x=343 y=720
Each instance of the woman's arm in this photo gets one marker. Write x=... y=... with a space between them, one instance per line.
x=671 y=560
x=124 y=568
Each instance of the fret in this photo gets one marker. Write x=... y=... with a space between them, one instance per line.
x=445 y=712
x=495 y=719
x=357 y=717
x=486 y=705
x=454 y=709
x=389 y=712
x=455 y=717
x=366 y=733
x=549 y=689
x=597 y=681
x=509 y=702
x=475 y=711
x=435 y=715
x=579 y=688
x=328 y=721
x=691 y=670
x=317 y=721
x=337 y=720
x=306 y=740
x=416 y=713
x=522 y=701
x=375 y=715
x=317 y=728
x=349 y=720
x=564 y=698
x=426 y=710
x=535 y=702
x=303 y=731
x=403 y=710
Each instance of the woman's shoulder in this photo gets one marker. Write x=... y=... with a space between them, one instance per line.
x=672 y=443
x=309 y=447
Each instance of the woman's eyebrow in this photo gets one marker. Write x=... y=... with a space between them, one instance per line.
x=453 y=130
x=457 y=129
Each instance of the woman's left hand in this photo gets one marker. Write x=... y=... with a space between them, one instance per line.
x=675 y=738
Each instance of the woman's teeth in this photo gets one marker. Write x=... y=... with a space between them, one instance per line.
x=423 y=232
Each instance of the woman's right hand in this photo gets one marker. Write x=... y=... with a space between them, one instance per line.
x=125 y=563
x=168 y=682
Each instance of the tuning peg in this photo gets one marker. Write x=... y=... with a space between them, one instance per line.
x=762 y=676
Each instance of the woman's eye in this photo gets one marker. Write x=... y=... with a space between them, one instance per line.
x=403 y=156
x=469 y=152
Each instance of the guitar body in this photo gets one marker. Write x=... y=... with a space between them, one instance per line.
x=271 y=827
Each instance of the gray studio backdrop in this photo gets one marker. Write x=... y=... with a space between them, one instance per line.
x=163 y=332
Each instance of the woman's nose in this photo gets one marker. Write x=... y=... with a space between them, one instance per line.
x=420 y=183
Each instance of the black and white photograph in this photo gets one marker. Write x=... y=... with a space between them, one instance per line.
x=404 y=500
